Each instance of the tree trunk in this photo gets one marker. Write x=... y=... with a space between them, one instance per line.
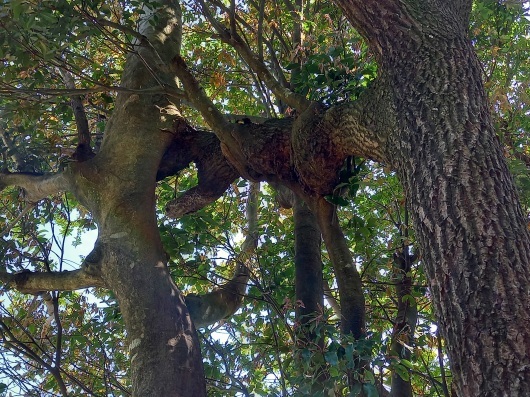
x=309 y=291
x=405 y=323
x=308 y=268
x=469 y=223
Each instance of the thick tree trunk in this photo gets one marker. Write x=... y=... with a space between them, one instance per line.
x=473 y=235
x=163 y=345
x=118 y=186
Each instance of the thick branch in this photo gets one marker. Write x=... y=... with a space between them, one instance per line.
x=322 y=139
x=87 y=276
x=29 y=282
x=215 y=173
x=348 y=279
x=36 y=187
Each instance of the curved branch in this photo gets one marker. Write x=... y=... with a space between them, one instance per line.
x=215 y=173
x=224 y=301
x=87 y=276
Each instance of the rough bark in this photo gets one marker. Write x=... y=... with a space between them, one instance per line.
x=470 y=226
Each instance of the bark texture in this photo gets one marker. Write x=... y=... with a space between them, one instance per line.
x=473 y=236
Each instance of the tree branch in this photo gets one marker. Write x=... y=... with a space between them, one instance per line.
x=214 y=171
x=36 y=187
x=196 y=95
x=230 y=36
x=84 y=150
x=351 y=293
x=29 y=282
x=8 y=90
x=224 y=301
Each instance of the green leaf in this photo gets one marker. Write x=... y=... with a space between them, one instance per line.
x=334 y=372
x=406 y=363
x=16 y=6
x=370 y=390
x=331 y=357
x=402 y=372
x=369 y=377
x=355 y=390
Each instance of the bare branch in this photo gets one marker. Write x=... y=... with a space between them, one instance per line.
x=36 y=186
x=37 y=93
